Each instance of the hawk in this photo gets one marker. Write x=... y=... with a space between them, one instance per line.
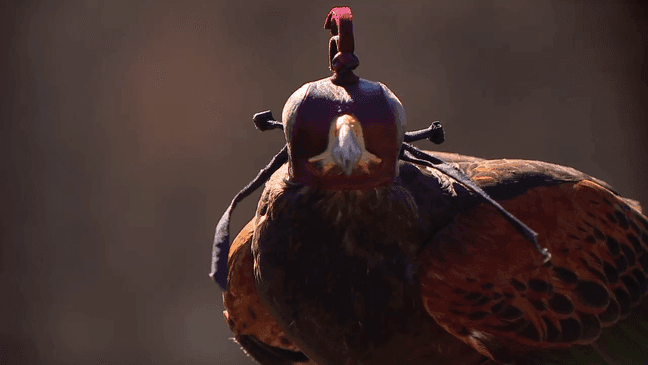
x=366 y=250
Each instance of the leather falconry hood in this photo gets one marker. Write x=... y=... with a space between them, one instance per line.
x=311 y=112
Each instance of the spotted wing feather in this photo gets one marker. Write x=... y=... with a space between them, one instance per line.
x=485 y=284
x=253 y=327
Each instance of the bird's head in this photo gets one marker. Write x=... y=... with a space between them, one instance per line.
x=344 y=137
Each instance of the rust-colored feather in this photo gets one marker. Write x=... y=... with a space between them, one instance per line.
x=254 y=328
x=478 y=276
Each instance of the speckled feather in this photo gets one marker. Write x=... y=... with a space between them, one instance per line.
x=249 y=320
x=478 y=277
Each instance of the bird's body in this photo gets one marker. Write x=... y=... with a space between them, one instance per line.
x=341 y=284
x=423 y=272
x=365 y=250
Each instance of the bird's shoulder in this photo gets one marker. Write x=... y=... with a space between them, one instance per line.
x=488 y=286
x=253 y=326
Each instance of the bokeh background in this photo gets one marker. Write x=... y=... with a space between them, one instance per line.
x=126 y=130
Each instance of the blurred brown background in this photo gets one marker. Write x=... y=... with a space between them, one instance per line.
x=126 y=130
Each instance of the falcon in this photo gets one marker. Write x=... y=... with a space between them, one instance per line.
x=367 y=250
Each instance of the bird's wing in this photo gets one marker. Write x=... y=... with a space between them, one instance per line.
x=485 y=284
x=254 y=328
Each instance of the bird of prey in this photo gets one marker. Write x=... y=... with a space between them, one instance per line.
x=366 y=250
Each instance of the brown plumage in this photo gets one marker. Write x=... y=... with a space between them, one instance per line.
x=365 y=250
x=481 y=279
x=250 y=321
x=456 y=259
